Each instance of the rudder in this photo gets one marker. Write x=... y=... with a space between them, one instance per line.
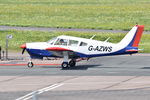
x=138 y=35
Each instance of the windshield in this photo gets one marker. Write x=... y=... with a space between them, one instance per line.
x=51 y=41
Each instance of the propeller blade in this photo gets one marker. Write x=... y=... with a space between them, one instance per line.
x=23 y=50
x=23 y=46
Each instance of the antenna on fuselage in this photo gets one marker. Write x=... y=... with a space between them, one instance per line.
x=107 y=39
x=93 y=36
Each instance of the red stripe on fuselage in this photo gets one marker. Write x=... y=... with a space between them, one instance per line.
x=138 y=35
x=57 y=49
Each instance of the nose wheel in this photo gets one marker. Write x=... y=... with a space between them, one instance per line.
x=64 y=65
x=30 y=64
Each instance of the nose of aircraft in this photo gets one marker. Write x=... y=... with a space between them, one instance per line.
x=23 y=46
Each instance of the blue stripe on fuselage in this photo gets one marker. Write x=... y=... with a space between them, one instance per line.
x=120 y=52
x=37 y=53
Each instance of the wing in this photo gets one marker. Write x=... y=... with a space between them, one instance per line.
x=58 y=51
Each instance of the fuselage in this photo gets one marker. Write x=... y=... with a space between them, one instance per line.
x=77 y=47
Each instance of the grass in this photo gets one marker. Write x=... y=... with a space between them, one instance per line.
x=94 y=14
x=21 y=37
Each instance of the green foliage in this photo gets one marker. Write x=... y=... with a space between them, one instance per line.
x=96 y=14
x=21 y=37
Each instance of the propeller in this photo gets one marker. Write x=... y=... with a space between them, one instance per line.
x=23 y=47
x=23 y=50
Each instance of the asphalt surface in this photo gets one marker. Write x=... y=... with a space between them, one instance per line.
x=97 y=95
x=102 y=66
x=49 y=29
x=56 y=29
x=102 y=78
x=61 y=29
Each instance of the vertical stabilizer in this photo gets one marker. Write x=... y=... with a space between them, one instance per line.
x=133 y=37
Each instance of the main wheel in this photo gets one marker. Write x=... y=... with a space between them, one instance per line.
x=30 y=64
x=64 y=65
x=72 y=63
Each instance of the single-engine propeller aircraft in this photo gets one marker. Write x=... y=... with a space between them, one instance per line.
x=72 y=48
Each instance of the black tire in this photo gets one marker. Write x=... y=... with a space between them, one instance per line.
x=72 y=63
x=30 y=64
x=64 y=65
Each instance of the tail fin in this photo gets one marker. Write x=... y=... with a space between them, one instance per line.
x=133 y=37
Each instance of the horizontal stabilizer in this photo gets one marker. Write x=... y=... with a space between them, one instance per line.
x=132 y=50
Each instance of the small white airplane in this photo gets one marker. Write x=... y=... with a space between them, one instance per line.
x=72 y=48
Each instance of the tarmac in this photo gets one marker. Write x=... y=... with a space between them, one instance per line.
x=58 y=29
x=102 y=78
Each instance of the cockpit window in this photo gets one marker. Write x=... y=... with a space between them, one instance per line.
x=51 y=41
x=83 y=44
x=73 y=43
x=61 y=42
